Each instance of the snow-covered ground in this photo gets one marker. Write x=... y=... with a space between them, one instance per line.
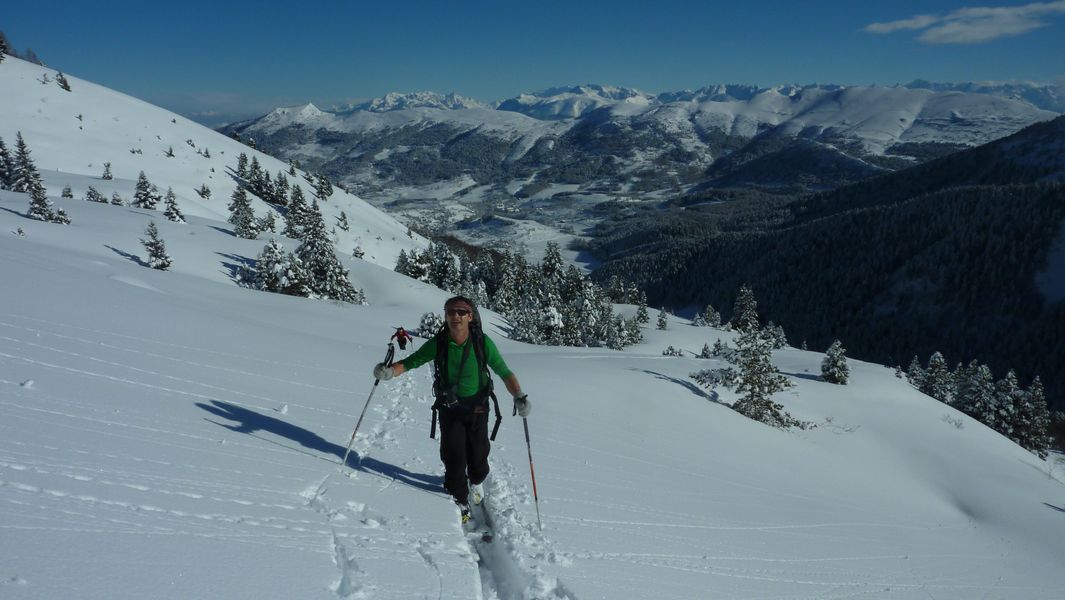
x=173 y=435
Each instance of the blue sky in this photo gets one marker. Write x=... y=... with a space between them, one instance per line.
x=216 y=61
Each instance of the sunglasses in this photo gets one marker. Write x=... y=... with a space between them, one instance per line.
x=462 y=312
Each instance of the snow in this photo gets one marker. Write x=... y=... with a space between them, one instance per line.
x=173 y=435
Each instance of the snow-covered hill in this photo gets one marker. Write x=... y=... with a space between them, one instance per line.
x=173 y=435
x=72 y=134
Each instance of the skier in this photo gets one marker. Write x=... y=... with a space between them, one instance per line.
x=402 y=337
x=462 y=388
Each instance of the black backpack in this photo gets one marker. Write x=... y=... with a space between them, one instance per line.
x=446 y=392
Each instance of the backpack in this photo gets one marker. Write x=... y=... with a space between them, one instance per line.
x=446 y=393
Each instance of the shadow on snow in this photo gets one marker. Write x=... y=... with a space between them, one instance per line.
x=249 y=422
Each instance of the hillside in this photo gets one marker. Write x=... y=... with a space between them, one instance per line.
x=959 y=255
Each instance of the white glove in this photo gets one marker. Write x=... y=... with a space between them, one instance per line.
x=383 y=372
x=522 y=405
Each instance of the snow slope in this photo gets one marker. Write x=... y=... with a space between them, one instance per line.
x=172 y=435
x=72 y=134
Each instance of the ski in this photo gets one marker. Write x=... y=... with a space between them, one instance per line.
x=480 y=526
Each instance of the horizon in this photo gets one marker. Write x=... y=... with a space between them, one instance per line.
x=240 y=65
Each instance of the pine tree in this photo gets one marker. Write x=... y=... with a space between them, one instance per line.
x=107 y=172
x=5 y=49
x=67 y=192
x=752 y=374
x=145 y=195
x=281 y=272
x=266 y=222
x=204 y=192
x=1031 y=421
x=979 y=402
x=745 y=311
x=24 y=173
x=323 y=188
x=431 y=324
x=242 y=166
x=329 y=277
x=915 y=374
x=706 y=351
x=663 y=321
x=776 y=335
x=342 y=221
x=40 y=206
x=157 y=256
x=92 y=195
x=834 y=368
x=116 y=200
x=711 y=317
x=62 y=81
x=241 y=215
x=296 y=215
x=937 y=381
x=759 y=380
x=7 y=167
x=172 y=212
x=281 y=190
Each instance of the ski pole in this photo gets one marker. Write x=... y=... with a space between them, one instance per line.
x=532 y=473
x=387 y=361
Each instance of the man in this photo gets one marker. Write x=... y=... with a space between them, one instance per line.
x=462 y=389
x=402 y=337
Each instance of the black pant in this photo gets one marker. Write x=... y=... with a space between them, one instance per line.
x=464 y=450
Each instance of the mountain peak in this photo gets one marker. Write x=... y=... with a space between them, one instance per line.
x=393 y=101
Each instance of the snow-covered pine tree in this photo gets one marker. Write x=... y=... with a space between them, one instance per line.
x=242 y=165
x=776 y=335
x=328 y=276
x=915 y=373
x=663 y=320
x=745 y=311
x=204 y=192
x=241 y=215
x=834 y=368
x=281 y=272
x=936 y=380
x=698 y=321
x=157 y=256
x=41 y=208
x=526 y=320
x=323 y=188
x=24 y=172
x=5 y=49
x=711 y=317
x=116 y=199
x=107 y=176
x=759 y=380
x=1031 y=420
x=430 y=324
x=92 y=195
x=979 y=402
x=62 y=81
x=144 y=196
x=67 y=192
x=7 y=167
x=507 y=297
x=671 y=351
x=642 y=316
x=172 y=212
x=706 y=351
x=267 y=222
x=255 y=174
x=296 y=216
x=281 y=189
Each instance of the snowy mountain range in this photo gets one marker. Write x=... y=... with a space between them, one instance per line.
x=551 y=155
x=174 y=435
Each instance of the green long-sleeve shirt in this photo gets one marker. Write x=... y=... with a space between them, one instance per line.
x=468 y=382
